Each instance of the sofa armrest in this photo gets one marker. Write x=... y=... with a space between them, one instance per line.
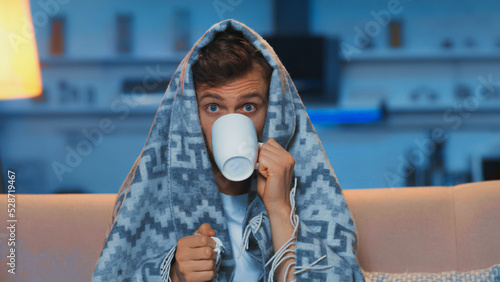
x=427 y=229
x=58 y=237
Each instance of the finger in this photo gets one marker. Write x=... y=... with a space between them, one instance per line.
x=261 y=184
x=261 y=179
x=274 y=148
x=201 y=253
x=197 y=241
x=197 y=266
x=262 y=170
x=268 y=160
x=206 y=229
x=273 y=143
x=273 y=155
x=200 y=276
x=259 y=167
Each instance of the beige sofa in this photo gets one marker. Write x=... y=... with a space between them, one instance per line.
x=423 y=229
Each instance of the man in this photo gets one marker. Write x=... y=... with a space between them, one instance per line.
x=237 y=82
x=175 y=199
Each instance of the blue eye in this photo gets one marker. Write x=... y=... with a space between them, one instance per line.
x=249 y=107
x=213 y=108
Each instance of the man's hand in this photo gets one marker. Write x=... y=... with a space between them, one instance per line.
x=195 y=256
x=274 y=180
x=275 y=176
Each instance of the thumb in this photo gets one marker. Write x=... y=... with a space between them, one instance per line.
x=261 y=184
x=205 y=229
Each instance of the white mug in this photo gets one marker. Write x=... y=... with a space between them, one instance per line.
x=235 y=146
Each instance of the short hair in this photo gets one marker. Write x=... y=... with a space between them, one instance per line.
x=227 y=57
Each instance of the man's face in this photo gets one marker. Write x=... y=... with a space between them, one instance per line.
x=247 y=95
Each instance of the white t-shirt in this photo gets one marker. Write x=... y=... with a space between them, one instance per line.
x=247 y=268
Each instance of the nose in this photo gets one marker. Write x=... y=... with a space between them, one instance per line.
x=230 y=111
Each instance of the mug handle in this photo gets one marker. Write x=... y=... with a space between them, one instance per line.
x=259 y=144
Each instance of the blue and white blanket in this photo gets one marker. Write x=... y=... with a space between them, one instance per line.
x=171 y=189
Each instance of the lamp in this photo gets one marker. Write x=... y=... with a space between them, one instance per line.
x=19 y=65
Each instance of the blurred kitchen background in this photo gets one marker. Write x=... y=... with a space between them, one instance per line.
x=401 y=92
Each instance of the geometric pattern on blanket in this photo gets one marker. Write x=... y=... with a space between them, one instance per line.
x=171 y=191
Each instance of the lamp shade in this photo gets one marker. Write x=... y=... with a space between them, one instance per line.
x=19 y=65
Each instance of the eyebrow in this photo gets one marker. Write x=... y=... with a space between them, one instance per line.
x=244 y=97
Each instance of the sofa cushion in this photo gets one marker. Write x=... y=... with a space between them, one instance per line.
x=404 y=229
x=427 y=229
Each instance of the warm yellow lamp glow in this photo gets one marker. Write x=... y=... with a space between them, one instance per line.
x=19 y=65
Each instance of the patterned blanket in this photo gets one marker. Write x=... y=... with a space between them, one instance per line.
x=170 y=191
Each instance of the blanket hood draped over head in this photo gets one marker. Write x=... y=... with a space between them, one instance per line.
x=170 y=191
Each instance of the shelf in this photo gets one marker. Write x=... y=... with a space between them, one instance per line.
x=344 y=116
x=366 y=57
x=107 y=62
x=75 y=112
x=317 y=115
x=485 y=117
